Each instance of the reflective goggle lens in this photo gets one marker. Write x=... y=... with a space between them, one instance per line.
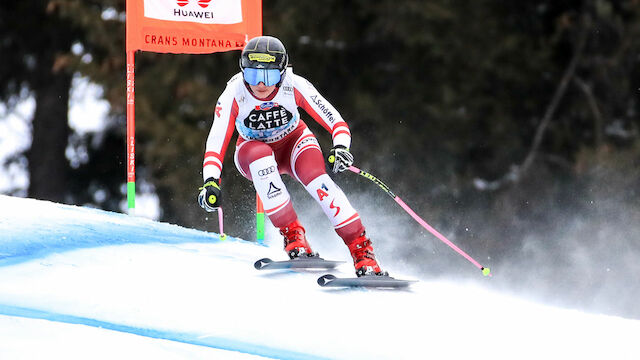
x=267 y=76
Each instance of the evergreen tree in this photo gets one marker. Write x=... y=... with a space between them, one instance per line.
x=446 y=100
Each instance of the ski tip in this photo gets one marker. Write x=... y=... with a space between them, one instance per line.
x=262 y=263
x=325 y=279
x=367 y=281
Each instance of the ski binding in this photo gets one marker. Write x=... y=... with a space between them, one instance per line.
x=375 y=281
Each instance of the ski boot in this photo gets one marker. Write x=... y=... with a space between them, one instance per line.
x=295 y=242
x=363 y=258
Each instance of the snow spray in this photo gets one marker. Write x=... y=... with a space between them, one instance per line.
x=485 y=270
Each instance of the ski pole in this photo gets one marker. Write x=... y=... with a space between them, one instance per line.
x=485 y=270
x=223 y=236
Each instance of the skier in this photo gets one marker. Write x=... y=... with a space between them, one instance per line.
x=262 y=102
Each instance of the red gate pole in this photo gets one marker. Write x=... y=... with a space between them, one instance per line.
x=131 y=133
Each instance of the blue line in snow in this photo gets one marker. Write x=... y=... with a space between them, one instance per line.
x=24 y=245
x=82 y=228
x=211 y=342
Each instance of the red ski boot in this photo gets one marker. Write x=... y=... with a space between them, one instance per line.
x=295 y=242
x=363 y=258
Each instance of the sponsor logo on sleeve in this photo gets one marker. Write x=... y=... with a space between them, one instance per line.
x=324 y=109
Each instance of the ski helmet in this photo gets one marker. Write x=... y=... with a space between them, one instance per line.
x=264 y=53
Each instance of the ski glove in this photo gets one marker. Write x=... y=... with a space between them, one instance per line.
x=209 y=197
x=340 y=158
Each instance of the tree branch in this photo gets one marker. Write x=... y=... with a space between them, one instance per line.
x=517 y=171
x=593 y=105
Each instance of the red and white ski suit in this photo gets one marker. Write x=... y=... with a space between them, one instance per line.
x=274 y=140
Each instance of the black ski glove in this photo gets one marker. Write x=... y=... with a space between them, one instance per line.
x=340 y=158
x=209 y=197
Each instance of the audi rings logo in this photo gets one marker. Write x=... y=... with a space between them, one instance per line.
x=267 y=171
x=203 y=3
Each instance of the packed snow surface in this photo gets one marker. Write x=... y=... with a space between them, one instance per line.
x=80 y=283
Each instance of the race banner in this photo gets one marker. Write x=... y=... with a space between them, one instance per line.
x=181 y=27
x=192 y=26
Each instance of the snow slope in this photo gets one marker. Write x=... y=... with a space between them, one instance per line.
x=80 y=283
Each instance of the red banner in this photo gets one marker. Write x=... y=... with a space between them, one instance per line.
x=192 y=26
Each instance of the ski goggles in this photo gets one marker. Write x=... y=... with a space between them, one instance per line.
x=267 y=76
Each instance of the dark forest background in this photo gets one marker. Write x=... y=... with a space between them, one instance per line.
x=510 y=126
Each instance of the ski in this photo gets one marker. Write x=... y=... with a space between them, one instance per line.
x=364 y=281
x=312 y=262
